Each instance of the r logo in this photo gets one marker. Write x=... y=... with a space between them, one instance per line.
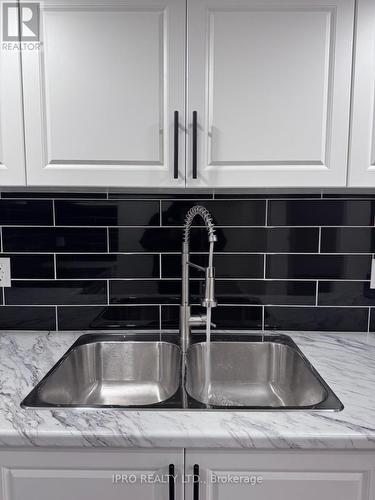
x=21 y=23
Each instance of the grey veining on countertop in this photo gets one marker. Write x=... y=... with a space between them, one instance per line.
x=346 y=362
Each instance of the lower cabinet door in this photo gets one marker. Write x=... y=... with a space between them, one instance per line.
x=93 y=475
x=281 y=475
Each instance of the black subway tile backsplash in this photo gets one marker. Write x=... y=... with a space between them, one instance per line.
x=31 y=266
x=56 y=292
x=345 y=293
x=348 y=240
x=53 y=239
x=325 y=319
x=72 y=266
x=247 y=213
x=319 y=266
x=108 y=318
x=107 y=213
x=27 y=318
x=321 y=212
x=226 y=266
x=26 y=212
x=279 y=264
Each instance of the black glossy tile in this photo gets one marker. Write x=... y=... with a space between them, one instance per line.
x=39 y=239
x=151 y=292
x=30 y=266
x=225 y=213
x=23 y=212
x=27 y=318
x=265 y=292
x=160 y=196
x=350 y=195
x=230 y=317
x=145 y=240
x=333 y=319
x=107 y=213
x=290 y=240
x=107 y=266
x=52 y=195
x=107 y=318
x=321 y=213
x=318 y=266
x=56 y=292
x=226 y=266
x=265 y=195
x=348 y=240
x=345 y=293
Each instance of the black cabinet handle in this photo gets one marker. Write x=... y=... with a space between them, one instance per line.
x=175 y=157
x=195 y=148
x=171 y=481
x=196 y=482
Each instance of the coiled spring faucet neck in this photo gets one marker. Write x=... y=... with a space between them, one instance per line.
x=207 y=218
x=186 y=320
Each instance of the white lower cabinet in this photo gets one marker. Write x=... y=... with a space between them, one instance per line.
x=90 y=475
x=223 y=475
x=289 y=475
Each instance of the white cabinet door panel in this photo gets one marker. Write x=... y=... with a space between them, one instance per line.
x=289 y=475
x=271 y=84
x=362 y=147
x=12 y=153
x=100 y=95
x=80 y=475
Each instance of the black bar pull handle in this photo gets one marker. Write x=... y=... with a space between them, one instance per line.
x=175 y=154
x=196 y=482
x=171 y=481
x=195 y=144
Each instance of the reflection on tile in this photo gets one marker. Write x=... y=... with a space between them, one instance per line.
x=51 y=239
x=265 y=292
x=348 y=240
x=107 y=213
x=56 y=292
x=225 y=213
x=225 y=317
x=107 y=266
x=299 y=240
x=318 y=266
x=107 y=318
x=226 y=266
x=321 y=213
x=333 y=319
x=27 y=318
x=23 y=212
x=346 y=293
x=151 y=292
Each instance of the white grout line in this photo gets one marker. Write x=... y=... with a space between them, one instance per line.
x=317 y=293
x=320 y=240
x=54 y=266
x=368 y=320
x=56 y=319
x=53 y=213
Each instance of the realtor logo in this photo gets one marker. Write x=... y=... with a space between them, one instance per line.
x=21 y=22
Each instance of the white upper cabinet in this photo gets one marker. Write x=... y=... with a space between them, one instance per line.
x=12 y=154
x=270 y=84
x=362 y=146
x=101 y=94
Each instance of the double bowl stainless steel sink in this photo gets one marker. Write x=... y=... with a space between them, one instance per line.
x=246 y=372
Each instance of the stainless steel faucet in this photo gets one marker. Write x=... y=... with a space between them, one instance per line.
x=186 y=319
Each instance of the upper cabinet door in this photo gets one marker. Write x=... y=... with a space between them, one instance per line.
x=12 y=153
x=362 y=146
x=270 y=82
x=101 y=94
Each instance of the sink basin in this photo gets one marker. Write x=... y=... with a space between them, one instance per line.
x=142 y=370
x=253 y=375
x=111 y=373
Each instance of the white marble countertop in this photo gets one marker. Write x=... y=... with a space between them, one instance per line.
x=345 y=361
